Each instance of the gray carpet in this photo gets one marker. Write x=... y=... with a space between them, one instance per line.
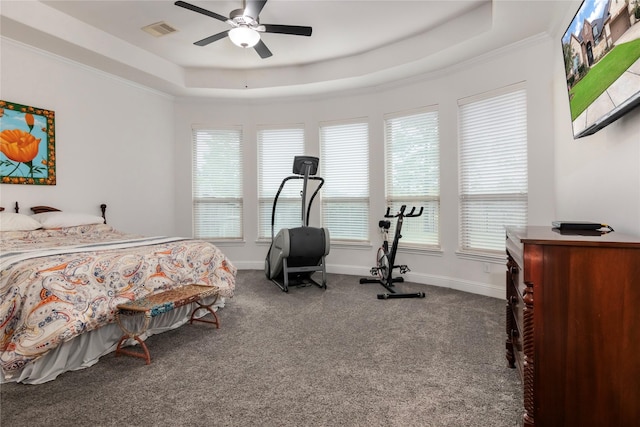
x=310 y=357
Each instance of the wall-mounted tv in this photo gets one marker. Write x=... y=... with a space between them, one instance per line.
x=601 y=49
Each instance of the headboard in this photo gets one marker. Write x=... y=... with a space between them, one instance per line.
x=42 y=208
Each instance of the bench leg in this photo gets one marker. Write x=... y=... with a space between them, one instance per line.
x=136 y=336
x=207 y=307
x=143 y=355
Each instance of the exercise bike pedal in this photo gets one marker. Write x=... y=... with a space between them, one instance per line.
x=404 y=269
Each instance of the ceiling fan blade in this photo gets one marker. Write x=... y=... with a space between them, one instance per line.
x=212 y=38
x=254 y=7
x=201 y=10
x=287 y=29
x=262 y=50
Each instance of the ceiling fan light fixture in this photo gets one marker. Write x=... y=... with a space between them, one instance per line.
x=244 y=36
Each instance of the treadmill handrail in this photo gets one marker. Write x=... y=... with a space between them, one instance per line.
x=275 y=201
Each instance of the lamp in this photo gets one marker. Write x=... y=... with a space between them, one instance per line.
x=244 y=36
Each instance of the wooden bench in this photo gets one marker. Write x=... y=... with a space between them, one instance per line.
x=163 y=302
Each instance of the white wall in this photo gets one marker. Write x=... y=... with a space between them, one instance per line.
x=114 y=141
x=529 y=62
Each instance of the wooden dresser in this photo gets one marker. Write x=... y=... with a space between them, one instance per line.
x=573 y=326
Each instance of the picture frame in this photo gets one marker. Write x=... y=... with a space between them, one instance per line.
x=27 y=145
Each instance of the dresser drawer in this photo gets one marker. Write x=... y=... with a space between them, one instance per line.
x=515 y=291
x=517 y=305
x=515 y=324
x=515 y=274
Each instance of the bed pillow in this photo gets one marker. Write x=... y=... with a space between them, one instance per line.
x=66 y=219
x=10 y=221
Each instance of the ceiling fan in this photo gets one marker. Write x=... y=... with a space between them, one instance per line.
x=246 y=26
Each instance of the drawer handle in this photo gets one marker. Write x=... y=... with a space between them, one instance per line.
x=515 y=333
x=513 y=300
x=513 y=270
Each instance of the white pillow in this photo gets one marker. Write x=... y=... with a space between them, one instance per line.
x=66 y=219
x=10 y=221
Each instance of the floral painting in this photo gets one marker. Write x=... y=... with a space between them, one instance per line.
x=27 y=145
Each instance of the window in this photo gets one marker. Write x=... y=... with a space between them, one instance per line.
x=493 y=168
x=217 y=183
x=277 y=148
x=412 y=172
x=345 y=168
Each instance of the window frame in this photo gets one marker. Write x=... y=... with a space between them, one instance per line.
x=520 y=157
x=237 y=199
x=413 y=200
x=364 y=201
x=286 y=197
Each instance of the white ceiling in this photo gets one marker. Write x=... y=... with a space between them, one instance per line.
x=355 y=43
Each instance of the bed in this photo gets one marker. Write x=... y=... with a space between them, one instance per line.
x=62 y=276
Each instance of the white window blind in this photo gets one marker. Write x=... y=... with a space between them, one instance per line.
x=277 y=148
x=217 y=183
x=493 y=168
x=345 y=168
x=412 y=172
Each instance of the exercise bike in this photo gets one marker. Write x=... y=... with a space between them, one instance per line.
x=385 y=259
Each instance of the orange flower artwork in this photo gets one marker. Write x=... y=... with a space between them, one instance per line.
x=27 y=145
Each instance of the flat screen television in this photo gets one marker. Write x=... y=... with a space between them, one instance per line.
x=601 y=49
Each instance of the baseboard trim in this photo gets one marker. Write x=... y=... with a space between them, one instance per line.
x=473 y=287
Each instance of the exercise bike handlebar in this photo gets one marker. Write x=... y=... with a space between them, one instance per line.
x=411 y=213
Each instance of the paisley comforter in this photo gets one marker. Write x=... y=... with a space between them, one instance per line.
x=57 y=284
